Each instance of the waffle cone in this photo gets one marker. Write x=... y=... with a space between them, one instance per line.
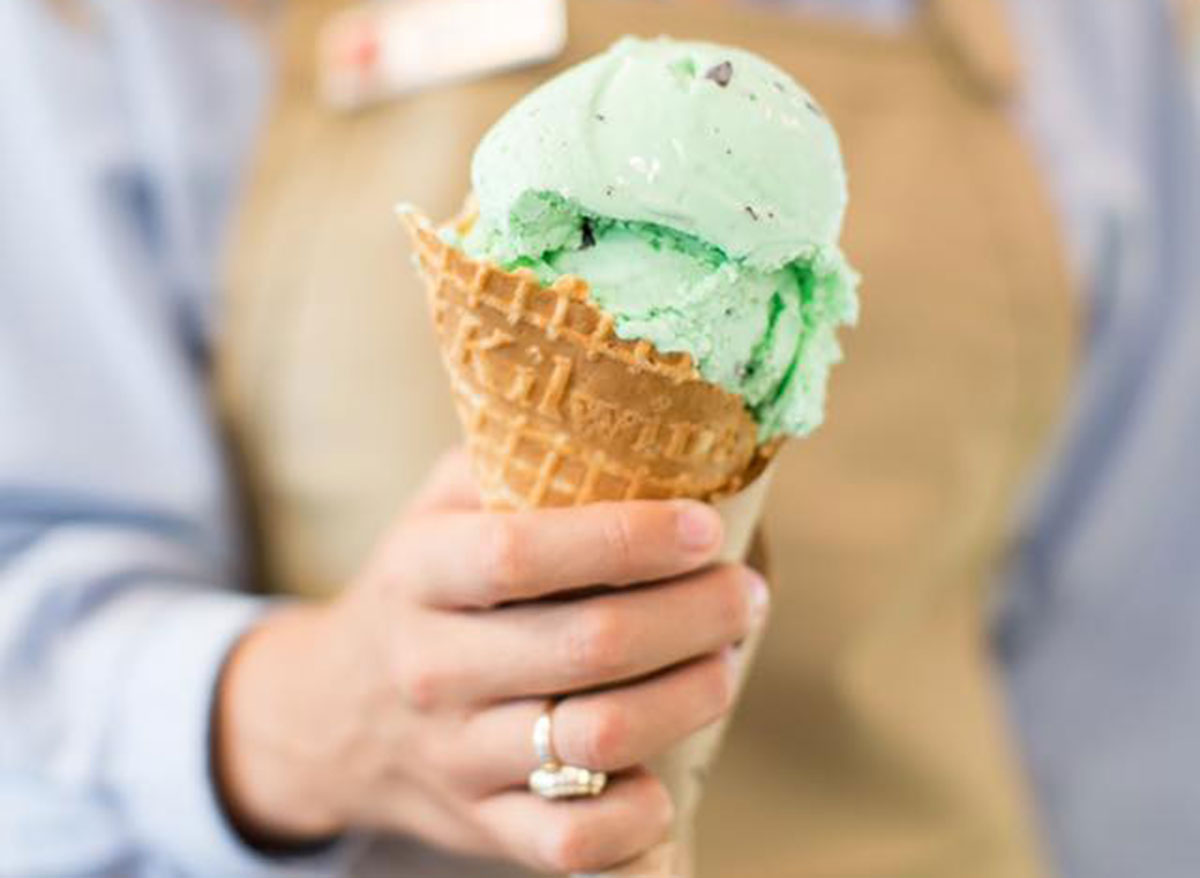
x=559 y=411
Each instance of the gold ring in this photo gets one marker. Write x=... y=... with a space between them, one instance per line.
x=553 y=780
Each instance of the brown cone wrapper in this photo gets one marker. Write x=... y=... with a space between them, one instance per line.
x=684 y=768
x=559 y=411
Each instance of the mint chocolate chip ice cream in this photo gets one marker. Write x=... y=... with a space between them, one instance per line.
x=700 y=192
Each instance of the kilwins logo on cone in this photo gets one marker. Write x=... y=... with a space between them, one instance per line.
x=558 y=410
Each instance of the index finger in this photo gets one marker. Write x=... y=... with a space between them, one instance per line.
x=479 y=560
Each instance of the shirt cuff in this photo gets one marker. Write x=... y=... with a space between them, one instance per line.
x=161 y=755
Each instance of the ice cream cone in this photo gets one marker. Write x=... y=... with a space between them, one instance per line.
x=558 y=411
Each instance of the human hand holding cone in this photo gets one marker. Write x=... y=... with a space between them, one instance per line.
x=645 y=303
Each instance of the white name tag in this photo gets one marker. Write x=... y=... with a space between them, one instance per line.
x=380 y=50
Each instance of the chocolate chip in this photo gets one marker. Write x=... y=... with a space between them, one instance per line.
x=753 y=213
x=721 y=74
x=589 y=237
x=812 y=105
x=600 y=117
x=608 y=190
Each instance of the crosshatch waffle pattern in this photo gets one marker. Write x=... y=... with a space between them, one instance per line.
x=560 y=411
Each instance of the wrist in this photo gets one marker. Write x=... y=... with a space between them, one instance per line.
x=274 y=769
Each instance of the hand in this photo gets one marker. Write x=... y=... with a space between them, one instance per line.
x=407 y=705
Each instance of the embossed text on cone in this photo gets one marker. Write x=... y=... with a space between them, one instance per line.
x=558 y=410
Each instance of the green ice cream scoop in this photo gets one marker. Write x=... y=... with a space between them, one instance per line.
x=700 y=192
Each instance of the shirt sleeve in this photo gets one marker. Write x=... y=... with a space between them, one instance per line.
x=113 y=643
x=120 y=565
x=118 y=596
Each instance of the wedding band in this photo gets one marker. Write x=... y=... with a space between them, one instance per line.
x=553 y=780
x=543 y=737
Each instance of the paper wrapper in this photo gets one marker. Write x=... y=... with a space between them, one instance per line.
x=685 y=768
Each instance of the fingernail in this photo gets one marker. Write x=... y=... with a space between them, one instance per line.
x=760 y=597
x=698 y=525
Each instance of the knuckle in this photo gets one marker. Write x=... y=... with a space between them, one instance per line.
x=618 y=534
x=393 y=556
x=606 y=739
x=597 y=643
x=422 y=685
x=505 y=559
x=569 y=846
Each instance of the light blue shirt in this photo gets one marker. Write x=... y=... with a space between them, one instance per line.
x=119 y=562
x=1100 y=638
x=119 y=565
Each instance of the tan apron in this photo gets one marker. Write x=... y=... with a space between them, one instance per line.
x=871 y=741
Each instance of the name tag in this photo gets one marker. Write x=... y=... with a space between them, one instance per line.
x=381 y=50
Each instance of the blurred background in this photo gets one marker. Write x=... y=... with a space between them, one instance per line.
x=982 y=659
